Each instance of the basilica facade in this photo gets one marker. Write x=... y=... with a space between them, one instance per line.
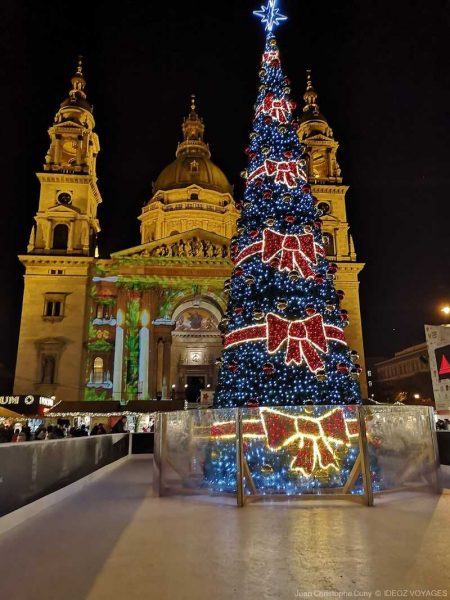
x=144 y=323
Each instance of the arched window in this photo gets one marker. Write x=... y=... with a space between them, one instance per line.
x=98 y=370
x=194 y=196
x=60 y=237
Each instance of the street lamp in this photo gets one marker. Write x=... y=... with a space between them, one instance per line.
x=446 y=310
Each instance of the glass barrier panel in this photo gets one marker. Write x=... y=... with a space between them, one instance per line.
x=301 y=450
x=31 y=470
x=400 y=447
x=198 y=452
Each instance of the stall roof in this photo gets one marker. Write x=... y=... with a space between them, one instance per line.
x=10 y=414
x=112 y=407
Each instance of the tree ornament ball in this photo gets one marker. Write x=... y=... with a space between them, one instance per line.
x=287 y=198
x=332 y=268
x=258 y=315
x=275 y=263
x=342 y=368
x=287 y=89
x=306 y=188
x=219 y=361
x=238 y=310
x=282 y=304
x=268 y=368
x=310 y=310
x=354 y=356
x=265 y=150
x=321 y=376
x=233 y=366
x=267 y=120
x=253 y=233
x=244 y=174
x=247 y=204
x=282 y=129
x=354 y=374
x=340 y=294
x=290 y=219
x=240 y=229
x=262 y=73
x=302 y=162
x=273 y=42
x=270 y=221
x=294 y=275
x=329 y=306
x=224 y=321
x=287 y=153
x=266 y=469
x=250 y=280
x=307 y=228
x=238 y=271
x=267 y=194
x=253 y=403
x=319 y=279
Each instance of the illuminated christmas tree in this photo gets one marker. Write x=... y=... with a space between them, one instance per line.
x=283 y=329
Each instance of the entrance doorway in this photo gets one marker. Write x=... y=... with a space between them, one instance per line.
x=195 y=383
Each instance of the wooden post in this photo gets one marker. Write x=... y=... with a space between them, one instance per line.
x=365 y=466
x=240 y=496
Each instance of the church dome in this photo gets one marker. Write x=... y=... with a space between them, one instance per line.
x=193 y=165
x=192 y=169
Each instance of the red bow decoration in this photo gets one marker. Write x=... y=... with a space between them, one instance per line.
x=286 y=172
x=297 y=251
x=312 y=434
x=277 y=108
x=304 y=338
x=271 y=55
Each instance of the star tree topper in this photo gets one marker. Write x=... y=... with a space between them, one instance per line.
x=270 y=15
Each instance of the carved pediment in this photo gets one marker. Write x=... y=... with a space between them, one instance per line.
x=196 y=243
x=61 y=209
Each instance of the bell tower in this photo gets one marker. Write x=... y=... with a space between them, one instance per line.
x=66 y=221
x=60 y=255
x=325 y=178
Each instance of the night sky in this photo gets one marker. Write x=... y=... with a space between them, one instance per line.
x=381 y=69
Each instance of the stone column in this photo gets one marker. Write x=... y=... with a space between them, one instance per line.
x=166 y=383
x=118 y=357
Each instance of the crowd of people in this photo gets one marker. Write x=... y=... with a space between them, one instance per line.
x=9 y=433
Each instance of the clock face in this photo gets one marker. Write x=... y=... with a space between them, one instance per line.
x=64 y=198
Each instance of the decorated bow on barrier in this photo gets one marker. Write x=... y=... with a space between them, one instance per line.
x=285 y=172
x=304 y=338
x=312 y=436
x=277 y=108
x=312 y=439
x=298 y=251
